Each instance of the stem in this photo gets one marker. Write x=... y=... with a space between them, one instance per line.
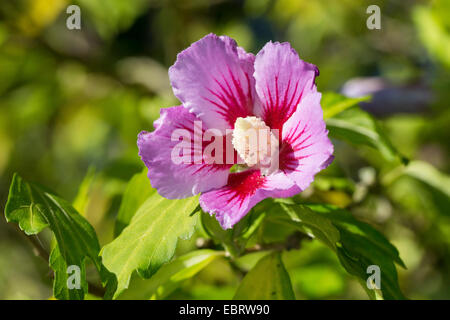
x=38 y=247
x=232 y=249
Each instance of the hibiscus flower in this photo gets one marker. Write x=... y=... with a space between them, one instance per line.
x=226 y=89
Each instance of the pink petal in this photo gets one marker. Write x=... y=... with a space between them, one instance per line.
x=213 y=78
x=242 y=192
x=175 y=181
x=282 y=79
x=306 y=148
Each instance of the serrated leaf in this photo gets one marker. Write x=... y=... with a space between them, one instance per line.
x=268 y=280
x=35 y=208
x=334 y=103
x=171 y=275
x=359 y=245
x=149 y=241
x=363 y=246
x=138 y=190
x=60 y=288
x=344 y=219
x=357 y=127
x=308 y=221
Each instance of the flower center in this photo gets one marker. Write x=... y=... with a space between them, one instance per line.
x=256 y=144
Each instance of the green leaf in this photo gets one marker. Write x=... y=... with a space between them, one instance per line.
x=60 y=288
x=357 y=244
x=248 y=261
x=359 y=128
x=171 y=275
x=311 y=223
x=268 y=280
x=334 y=103
x=433 y=32
x=138 y=190
x=429 y=175
x=363 y=246
x=35 y=208
x=424 y=184
x=150 y=239
x=235 y=239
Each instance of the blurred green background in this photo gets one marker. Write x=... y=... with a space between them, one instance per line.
x=71 y=100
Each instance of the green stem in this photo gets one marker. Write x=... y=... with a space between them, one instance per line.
x=232 y=248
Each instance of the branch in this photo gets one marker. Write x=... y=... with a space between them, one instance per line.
x=291 y=243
